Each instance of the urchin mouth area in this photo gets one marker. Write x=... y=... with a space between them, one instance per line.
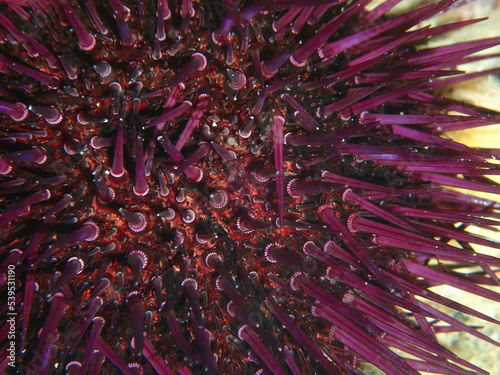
x=239 y=187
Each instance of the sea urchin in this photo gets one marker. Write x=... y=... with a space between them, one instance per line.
x=236 y=187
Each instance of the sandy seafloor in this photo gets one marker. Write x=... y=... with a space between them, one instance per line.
x=484 y=92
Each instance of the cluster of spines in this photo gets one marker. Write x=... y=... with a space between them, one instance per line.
x=378 y=209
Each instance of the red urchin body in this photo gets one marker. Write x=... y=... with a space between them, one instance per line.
x=226 y=187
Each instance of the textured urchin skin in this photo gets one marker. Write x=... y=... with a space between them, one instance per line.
x=236 y=187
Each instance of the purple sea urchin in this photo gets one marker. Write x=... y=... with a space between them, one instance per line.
x=237 y=187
